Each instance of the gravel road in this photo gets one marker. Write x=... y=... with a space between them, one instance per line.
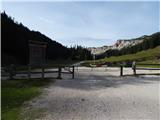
x=93 y=95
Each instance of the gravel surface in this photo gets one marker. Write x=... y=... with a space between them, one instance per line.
x=101 y=94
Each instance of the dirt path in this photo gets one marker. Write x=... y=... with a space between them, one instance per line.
x=94 y=96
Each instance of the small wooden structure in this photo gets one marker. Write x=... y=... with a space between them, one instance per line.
x=37 y=52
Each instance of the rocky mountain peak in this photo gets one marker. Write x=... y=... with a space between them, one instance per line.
x=121 y=43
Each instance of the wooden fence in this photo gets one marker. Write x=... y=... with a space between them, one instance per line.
x=11 y=71
x=136 y=66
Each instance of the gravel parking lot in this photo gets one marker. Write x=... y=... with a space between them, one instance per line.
x=100 y=94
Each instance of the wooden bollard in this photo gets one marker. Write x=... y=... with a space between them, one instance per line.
x=42 y=72
x=29 y=71
x=134 y=67
x=73 y=73
x=77 y=68
x=59 y=73
x=121 y=71
x=11 y=71
x=134 y=70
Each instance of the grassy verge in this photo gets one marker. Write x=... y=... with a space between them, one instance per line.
x=140 y=56
x=15 y=92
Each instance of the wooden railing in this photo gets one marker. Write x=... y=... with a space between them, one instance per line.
x=11 y=71
x=135 y=67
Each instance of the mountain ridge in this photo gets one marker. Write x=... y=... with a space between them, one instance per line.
x=120 y=44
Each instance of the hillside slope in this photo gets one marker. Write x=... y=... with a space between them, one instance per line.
x=15 y=45
x=129 y=46
x=15 y=39
x=146 y=56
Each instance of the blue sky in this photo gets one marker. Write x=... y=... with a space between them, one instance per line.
x=87 y=23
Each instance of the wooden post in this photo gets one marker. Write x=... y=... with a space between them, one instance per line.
x=134 y=70
x=77 y=68
x=11 y=71
x=59 y=73
x=134 y=67
x=73 y=73
x=42 y=72
x=121 y=71
x=29 y=71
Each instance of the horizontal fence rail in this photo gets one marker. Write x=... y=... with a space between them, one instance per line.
x=138 y=66
x=11 y=71
x=141 y=68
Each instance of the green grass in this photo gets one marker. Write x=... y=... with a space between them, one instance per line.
x=15 y=92
x=146 y=56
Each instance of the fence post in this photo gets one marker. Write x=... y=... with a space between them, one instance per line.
x=29 y=71
x=59 y=73
x=134 y=67
x=121 y=72
x=73 y=73
x=77 y=67
x=11 y=72
x=42 y=72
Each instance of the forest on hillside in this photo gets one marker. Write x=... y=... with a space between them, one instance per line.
x=15 y=44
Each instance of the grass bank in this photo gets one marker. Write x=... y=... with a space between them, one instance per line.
x=15 y=92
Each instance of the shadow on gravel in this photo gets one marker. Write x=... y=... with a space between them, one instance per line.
x=99 y=82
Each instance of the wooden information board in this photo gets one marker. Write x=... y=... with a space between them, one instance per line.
x=37 y=52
